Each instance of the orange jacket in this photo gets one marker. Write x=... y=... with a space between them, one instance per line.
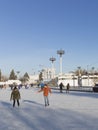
x=46 y=90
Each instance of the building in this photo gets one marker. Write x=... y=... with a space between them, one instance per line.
x=48 y=73
x=33 y=79
x=73 y=80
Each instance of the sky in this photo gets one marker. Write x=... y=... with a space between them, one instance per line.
x=31 y=32
x=73 y=111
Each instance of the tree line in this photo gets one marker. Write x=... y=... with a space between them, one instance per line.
x=13 y=76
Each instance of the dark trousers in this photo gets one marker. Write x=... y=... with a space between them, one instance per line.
x=61 y=90
x=14 y=101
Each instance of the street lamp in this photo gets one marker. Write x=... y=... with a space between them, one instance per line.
x=73 y=77
x=60 y=52
x=79 y=76
x=52 y=59
x=93 y=73
x=79 y=73
x=88 y=74
x=17 y=73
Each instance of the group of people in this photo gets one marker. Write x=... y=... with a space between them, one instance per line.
x=15 y=94
x=67 y=87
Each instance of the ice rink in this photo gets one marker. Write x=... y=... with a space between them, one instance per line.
x=67 y=111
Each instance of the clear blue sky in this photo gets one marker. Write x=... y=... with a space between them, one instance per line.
x=31 y=31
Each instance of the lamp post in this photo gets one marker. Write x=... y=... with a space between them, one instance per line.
x=79 y=76
x=93 y=73
x=60 y=52
x=88 y=74
x=79 y=73
x=73 y=76
x=17 y=74
x=52 y=59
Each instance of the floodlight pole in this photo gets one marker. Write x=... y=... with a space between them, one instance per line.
x=17 y=74
x=52 y=59
x=60 y=52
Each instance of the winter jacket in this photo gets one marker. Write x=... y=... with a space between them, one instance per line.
x=68 y=86
x=15 y=94
x=42 y=85
x=46 y=90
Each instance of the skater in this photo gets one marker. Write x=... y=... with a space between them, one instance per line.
x=15 y=96
x=46 y=90
x=42 y=85
x=61 y=86
x=67 y=88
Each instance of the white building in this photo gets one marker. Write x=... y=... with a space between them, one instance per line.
x=73 y=80
x=48 y=73
x=33 y=79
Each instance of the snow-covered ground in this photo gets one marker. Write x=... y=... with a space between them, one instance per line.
x=73 y=111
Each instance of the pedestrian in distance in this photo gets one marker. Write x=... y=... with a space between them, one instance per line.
x=67 y=88
x=15 y=96
x=61 y=86
x=46 y=90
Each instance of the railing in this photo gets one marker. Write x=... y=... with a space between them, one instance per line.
x=82 y=89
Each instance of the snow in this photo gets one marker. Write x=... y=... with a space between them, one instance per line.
x=67 y=111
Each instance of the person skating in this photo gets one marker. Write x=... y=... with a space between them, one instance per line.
x=67 y=88
x=61 y=86
x=15 y=96
x=46 y=90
